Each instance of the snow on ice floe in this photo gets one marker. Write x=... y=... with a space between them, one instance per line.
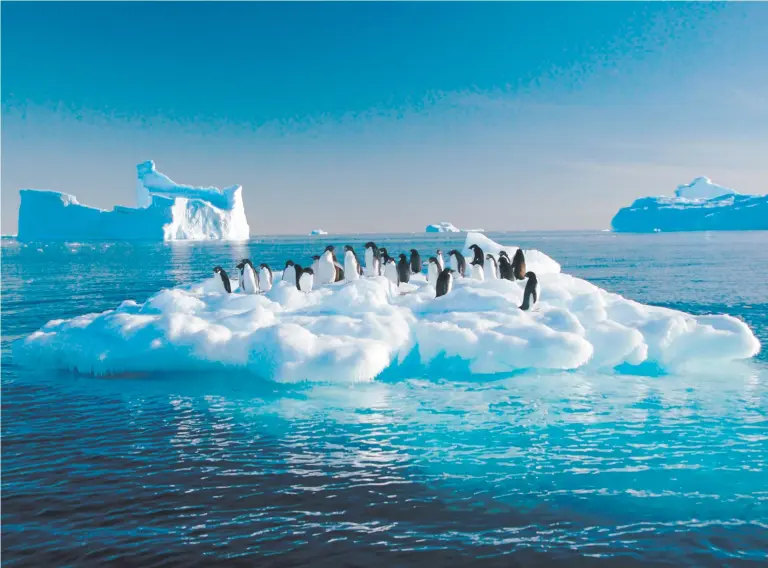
x=443 y=227
x=355 y=331
x=698 y=206
x=165 y=211
x=315 y=232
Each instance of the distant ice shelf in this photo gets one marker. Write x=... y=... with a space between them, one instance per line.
x=166 y=211
x=698 y=206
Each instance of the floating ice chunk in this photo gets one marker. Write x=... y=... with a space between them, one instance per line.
x=443 y=227
x=315 y=232
x=355 y=331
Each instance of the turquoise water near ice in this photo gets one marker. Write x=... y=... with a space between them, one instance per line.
x=569 y=468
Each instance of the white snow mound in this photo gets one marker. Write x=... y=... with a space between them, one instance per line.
x=355 y=331
x=165 y=211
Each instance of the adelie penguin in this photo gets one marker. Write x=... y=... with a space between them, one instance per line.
x=391 y=273
x=352 y=269
x=505 y=268
x=433 y=270
x=531 y=293
x=415 y=261
x=223 y=278
x=289 y=272
x=477 y=265
x=326 y=267
x=372 y=259
x=444 y=283
x=492 y=272
x=265 y=278
x=249 y=279
x=404 y=269
x=478 y=272
x=518 y=264
x=458 y=262
x=479 y=258
x=306 y=280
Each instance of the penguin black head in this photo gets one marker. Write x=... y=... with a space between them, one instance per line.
x=264 y=265
x=370 y=245
x=307 y=271
x=218 y=270
x=402 y=257
x=454 y=251
x=315 y=257
x=348 y=248
x=439 y=251
x=330 y=248
x=383 y=250
x=289 y=263
x=240 y=265
x=432 y=260
x=413 y=251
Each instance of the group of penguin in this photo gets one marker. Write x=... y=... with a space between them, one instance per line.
x=327 y=269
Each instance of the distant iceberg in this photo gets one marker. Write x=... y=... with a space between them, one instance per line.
x=359 y=330
x=698 y=206
x=166 y=211
x=442 y=228
x=315 y=232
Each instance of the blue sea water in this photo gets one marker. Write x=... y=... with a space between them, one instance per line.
x=536 y=469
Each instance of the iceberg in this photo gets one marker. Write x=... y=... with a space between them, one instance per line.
x=166 y=211
x=315 y=232
x=698 y=206
x=364 y=329
x=442 y=228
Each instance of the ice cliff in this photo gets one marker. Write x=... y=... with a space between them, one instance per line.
x=165 y=211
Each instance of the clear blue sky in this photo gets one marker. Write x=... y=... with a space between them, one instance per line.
x=386 y=117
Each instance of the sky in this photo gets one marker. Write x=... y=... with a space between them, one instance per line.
x=374 y=117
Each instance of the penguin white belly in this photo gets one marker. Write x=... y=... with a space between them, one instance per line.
x=250 y=283
x=350 y=266
x=265 y=280
x=432 y=273
x=306 y=281
x=490 y=273
x=454 y=264
x=390 y=272
x=241 y=280
x=315 y=265
x=440 y=263
x=477 y=272
x=370 y=268
x=289 y=275
x=326 y=269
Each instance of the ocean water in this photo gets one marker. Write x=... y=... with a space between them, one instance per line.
x=535 y=469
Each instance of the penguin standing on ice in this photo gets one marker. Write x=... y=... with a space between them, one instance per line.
x=289 y=272
x=479 y=258
x=391 y=272
x=223 y=278
x=385 y=258
x=306 y=280
x=326 y=267
x=458 y=262
x=249 y=279
x=415 y=261
x=493 y=269
x=444 y=283
x=404 y=269
x=532 y=292
x=265 y=278
x=440 y=260
x=518 y=264
x=372 y=259
x=505 y=268
x=433 y=270
x=352 y=268
x=478 y=272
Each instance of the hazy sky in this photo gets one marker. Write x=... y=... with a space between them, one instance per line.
x=386 y=117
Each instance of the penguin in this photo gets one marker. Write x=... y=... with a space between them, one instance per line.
x=505 y=268
x=351 y=264
x=518 y=264
x=493 y=269
x=440 y=260
x=326 y=267
x=372 y=259
x=391 y=272
x=433 y=270
x=479 y=257
x=249 y=279
x=415 y=261
x=404 y=269
x=265 y=278
x=299 y=272
x=289 y=272
x=504 y=253
x=306 y=280
x=224 y=279
x=384 y=256
x=478 y=272
x=532 y=291
x=458 y=262
x=444 y=283
x=315 y=260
